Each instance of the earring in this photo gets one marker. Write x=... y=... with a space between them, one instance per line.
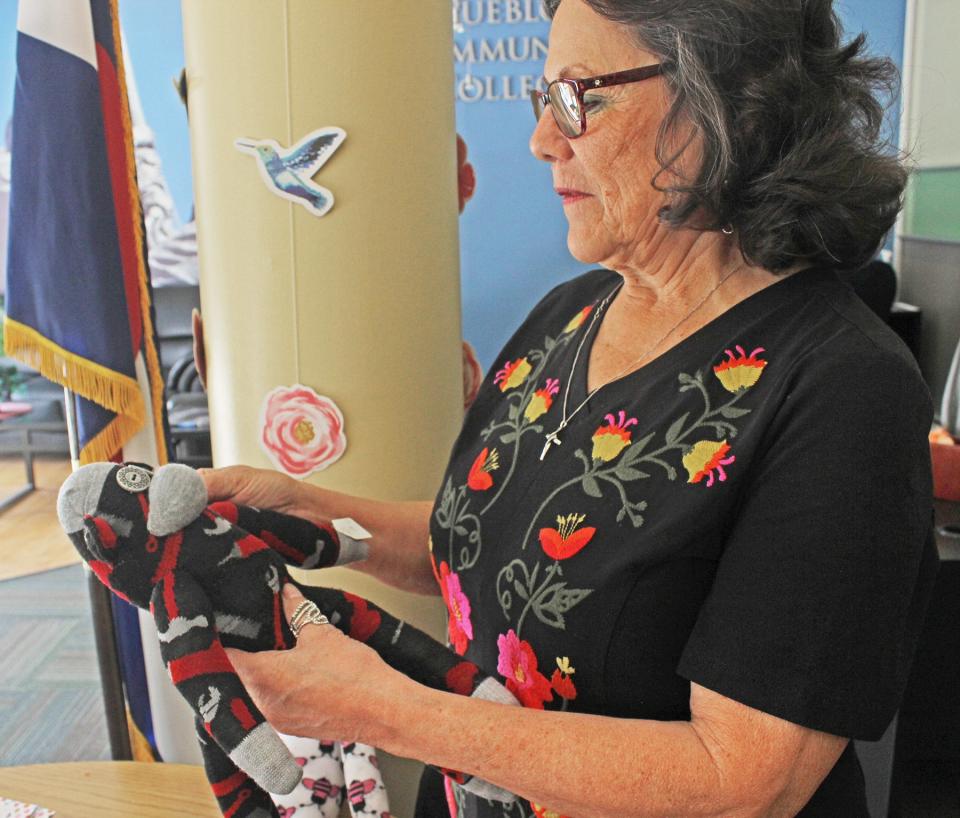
x=727 y=230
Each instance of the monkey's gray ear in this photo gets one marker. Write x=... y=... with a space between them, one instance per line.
x=177 y=495
x=80 y=494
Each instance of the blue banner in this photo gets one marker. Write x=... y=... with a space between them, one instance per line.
x=513 y=232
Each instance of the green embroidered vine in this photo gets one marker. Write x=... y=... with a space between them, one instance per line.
x=548 y=600
x=624 y=468
x=452 y=514
x=517 y=424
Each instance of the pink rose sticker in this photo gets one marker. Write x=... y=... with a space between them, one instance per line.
x=302 y=431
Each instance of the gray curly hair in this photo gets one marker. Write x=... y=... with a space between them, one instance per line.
x=787 y=121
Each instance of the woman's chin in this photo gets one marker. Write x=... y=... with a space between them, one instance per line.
x=585 y=249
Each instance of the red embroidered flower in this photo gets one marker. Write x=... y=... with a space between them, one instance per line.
x=610 y=440
x=466 y=178
x=740 y=371
x=577 y=321
x=512 y=374
x=479 y=478
x=458 y=607
x=561 y=681
x=302 y=432
x=566 y=540
x=518 y=664
x=563 y=685
x=541 y=400
x=706 y=458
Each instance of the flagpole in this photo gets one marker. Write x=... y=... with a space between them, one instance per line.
x=108 y=658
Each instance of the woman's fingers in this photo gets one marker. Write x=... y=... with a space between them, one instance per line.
x=240 y=660
x=326 y=666
x=263 y=488
x=293 y=599
x=222 y=484
x=257 y=674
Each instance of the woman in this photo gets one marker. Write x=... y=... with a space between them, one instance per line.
x=687 y=517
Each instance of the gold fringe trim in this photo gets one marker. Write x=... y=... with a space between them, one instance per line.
x=152 y=358
x=140 y=747
x=110 y=440
x=117 y=392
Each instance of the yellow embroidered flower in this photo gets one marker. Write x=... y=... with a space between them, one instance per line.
x=610 y=440
x=563 y=663
x=577 y=321
x=740 y=371
x=541 y=400
x=706 y=458
x=513 y=374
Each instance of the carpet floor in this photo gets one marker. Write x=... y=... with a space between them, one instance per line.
x=51 y=708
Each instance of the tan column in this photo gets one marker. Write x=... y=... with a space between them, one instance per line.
x=361 y=304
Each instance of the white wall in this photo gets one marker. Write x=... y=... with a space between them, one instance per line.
x=932 y=118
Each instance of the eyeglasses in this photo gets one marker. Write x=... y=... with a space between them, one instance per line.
x=565 y=97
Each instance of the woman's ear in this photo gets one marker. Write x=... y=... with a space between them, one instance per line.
x=80 y=495
x=177 y=496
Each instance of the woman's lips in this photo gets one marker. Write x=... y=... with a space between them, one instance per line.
x=569 y=195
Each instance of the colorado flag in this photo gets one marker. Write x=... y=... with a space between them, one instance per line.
x=78 y=294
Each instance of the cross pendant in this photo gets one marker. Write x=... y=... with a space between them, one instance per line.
x=553 y=439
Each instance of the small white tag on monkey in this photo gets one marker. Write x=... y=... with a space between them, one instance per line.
x=351 y=528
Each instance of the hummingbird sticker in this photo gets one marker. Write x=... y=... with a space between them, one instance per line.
x=289 y=172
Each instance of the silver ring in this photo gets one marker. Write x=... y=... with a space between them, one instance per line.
x=306 y=613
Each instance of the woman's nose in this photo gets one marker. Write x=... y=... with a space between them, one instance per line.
x=546 y=141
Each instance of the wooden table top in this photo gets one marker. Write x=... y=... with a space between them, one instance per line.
x=112 y=789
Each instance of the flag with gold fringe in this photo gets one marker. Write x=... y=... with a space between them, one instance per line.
x=78 y=295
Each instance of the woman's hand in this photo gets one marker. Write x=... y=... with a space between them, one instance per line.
x=329 y=686
x=398 y=547
x=247 y=486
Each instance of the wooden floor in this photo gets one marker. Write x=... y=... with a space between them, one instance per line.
x=31 y=539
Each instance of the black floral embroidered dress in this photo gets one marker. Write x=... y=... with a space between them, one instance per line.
x=749 y=511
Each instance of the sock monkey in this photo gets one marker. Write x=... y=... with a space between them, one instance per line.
x=212 y=577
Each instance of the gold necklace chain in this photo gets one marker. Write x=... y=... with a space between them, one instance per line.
x=553 y=438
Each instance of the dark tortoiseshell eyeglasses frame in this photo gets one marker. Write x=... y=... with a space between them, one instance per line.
x=542 y=99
